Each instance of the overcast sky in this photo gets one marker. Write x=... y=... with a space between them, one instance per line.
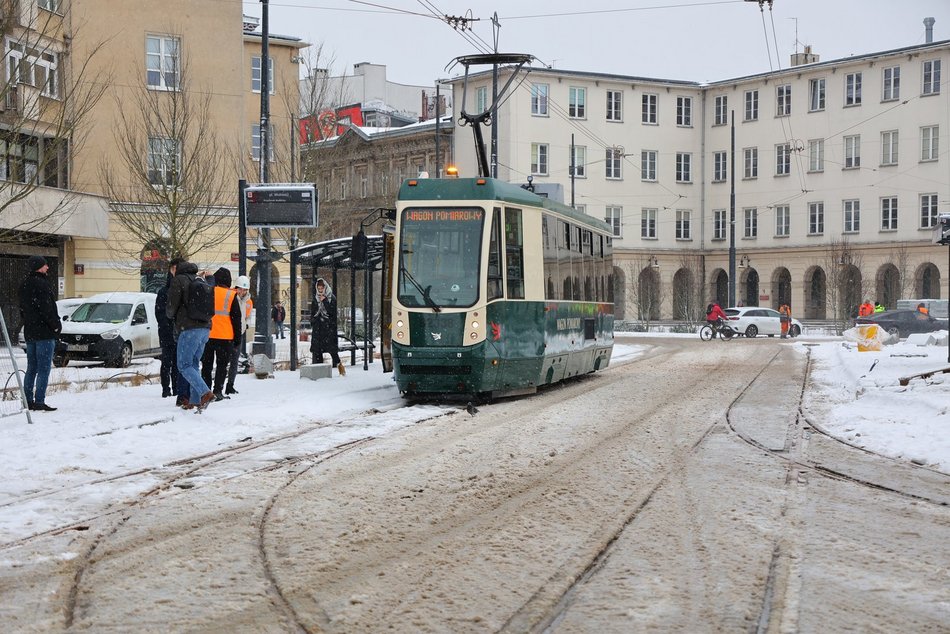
x=693 y=40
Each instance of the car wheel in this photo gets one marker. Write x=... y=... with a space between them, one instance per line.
x=751 y=331
x=795 y=331
x=894 y=330
x=125 y=357
x=60 y=361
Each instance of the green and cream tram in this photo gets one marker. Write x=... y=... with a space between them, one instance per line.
x=496 y=290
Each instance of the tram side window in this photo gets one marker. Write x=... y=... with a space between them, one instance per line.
x=564 y=258
x=549 y=240
x=494 y=257
x=577 y=263
x=588 y=256
x=609 y=263
x=514 y=249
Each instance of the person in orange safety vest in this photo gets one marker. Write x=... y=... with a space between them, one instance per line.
x=867 y=308
x=225 y=333
x=785 y=316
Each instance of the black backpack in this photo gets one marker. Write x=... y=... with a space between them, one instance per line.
x=199 y=300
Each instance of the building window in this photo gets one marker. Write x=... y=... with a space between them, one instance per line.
x=889 y=213
x=32 y=67
x=931 y=77
x=648 y=165
x=161 y=62
x=852 y=89
x=648 y=223
x=648 y=114
x=783 y=159
x=256 y=143
x=750 y=160
x=720 y=167
x=816 y=95
x=852 y=216
x=782 y=221
x=683 y=167
x=539 y=159
x=816 y=219
x=614 y=105
x=783 y=100
x=164 y=160
x=852 y=151
x=539 y=100
x=613 y=163
x=577 y=103
x=683 y=227
x=580 y=161
x=256 y=75
x=722 y=110
x=929 y=142
x=684 y=111
x=49 y=5
x=751 y=105
x=751 y=222
x=613 y=217
x=816 y=155
x=889 y=147
x=719 y=224
x=892 y=84
x=19 y=158
x=928 y=211
x=481 y=99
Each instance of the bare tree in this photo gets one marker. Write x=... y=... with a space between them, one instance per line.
x=846 y=287
x=647 y=291
x=45 y=99
x=171 y=172
x=688 y=289
x=900 y=256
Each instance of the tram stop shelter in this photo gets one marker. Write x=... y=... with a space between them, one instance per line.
x=338 y=255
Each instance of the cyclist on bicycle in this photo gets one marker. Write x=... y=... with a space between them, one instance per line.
x=715 y=317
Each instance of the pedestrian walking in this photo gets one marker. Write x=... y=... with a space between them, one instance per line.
x=225 y=333
x=277 y=315
x=246 y=304
x=187 y=307
x=168 y=373
x=323 y=324
x=41 y=325
x=785 y=317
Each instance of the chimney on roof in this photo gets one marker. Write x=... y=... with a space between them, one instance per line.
x=929 y=30
x=804 y=58
x=251 y=23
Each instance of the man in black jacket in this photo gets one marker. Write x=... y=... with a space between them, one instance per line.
x=41 y=325
x=170 y=378
x=192 y=336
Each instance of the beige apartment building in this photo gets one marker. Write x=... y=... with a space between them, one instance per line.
x=170 y=127
x=839 y=170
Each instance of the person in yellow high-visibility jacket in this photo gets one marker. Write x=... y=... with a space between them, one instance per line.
x=225 y=333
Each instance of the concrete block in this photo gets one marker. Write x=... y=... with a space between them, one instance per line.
x=263 y=366
x=315 y=371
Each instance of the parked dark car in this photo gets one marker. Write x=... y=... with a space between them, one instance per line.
x=903 y=322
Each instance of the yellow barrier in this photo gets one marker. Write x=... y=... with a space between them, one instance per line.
x=868 y=340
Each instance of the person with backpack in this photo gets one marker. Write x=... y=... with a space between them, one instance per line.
x=191 y=306
x=171 y=380
x=225 y=334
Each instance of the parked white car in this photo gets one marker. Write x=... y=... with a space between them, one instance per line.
x=110 y=327
x=752 y=321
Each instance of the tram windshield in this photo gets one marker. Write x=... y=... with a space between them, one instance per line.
x=439 y=254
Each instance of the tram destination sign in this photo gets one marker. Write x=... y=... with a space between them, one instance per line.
x=281 y=205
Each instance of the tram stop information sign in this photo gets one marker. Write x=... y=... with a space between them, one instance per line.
x=281 y=205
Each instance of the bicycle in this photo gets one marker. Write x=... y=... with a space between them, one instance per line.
x=725 y=331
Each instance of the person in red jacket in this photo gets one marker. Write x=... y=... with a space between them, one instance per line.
x=715 y=317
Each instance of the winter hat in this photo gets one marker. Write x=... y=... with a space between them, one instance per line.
x=36 y=262
x=222 y=277
x=243 y=281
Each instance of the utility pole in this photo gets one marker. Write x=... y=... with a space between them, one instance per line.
x=262 y=339
x=438 y=148
x=494 y=99
x=573 y=172
x=732 y=210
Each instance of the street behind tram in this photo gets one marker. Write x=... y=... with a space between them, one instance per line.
x=688 y=490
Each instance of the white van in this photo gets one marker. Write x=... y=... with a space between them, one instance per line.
x=110 y=327
x=937 y=308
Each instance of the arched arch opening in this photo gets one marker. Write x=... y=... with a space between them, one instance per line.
x=720 y=287
x=927 y=282
x=849 y=291
x=816 y=287
x=615 y=289
x=781 y=292
x=685 y=301
x=749 y=294
x=648 y=294
x=887 y=287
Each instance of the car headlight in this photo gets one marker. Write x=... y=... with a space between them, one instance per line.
x=110 y=334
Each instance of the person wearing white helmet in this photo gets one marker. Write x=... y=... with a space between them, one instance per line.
x=241 y=286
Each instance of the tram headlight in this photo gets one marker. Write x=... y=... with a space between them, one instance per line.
x=473 y=335
x=399 y=323
x=399 y=335
x=474 y=325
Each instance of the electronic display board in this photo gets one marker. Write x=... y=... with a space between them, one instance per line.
x=281 y=205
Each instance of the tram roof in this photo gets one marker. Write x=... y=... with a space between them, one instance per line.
x=490 y=189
